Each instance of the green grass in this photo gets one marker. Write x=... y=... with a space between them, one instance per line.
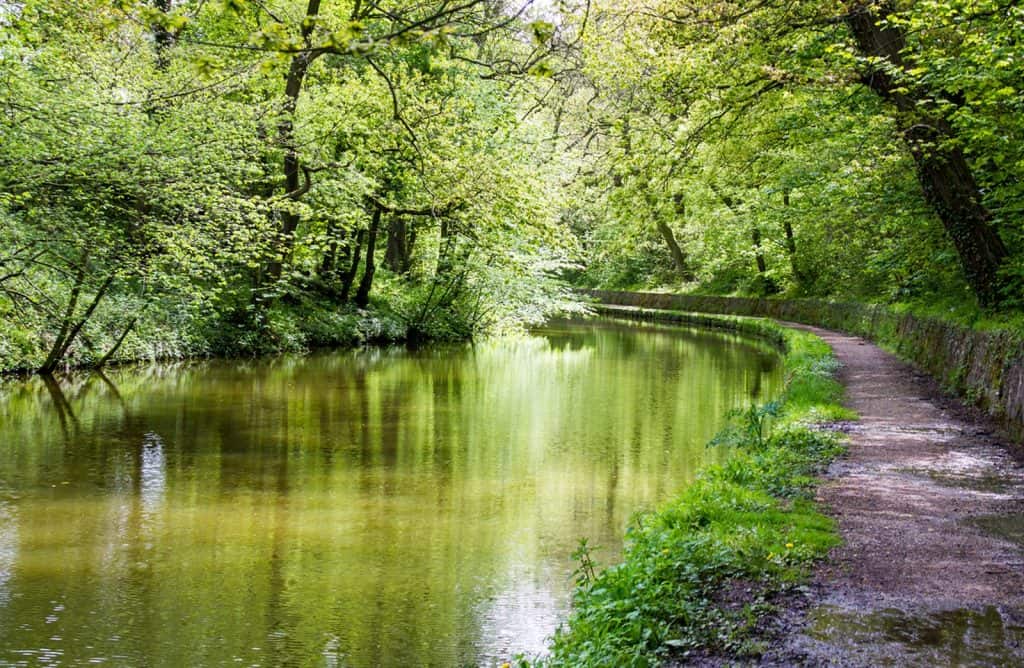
x=699 y=574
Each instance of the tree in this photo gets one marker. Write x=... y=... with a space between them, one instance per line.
x=166 y=195
x=946 y=178
x=712 y=86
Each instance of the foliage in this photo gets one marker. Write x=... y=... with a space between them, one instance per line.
x=699 y=574
x=754 y=134
x=175 y=176
x=749 y=427
x=196 y=178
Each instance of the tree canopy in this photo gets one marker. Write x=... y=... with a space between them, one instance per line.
x=833 y=149
x=189 y=177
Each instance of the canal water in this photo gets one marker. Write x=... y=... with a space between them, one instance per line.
x=357 y=508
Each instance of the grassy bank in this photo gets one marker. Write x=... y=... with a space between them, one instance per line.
x=296 y=324
x=700 y=574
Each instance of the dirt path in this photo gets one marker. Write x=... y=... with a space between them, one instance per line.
x=930 y=505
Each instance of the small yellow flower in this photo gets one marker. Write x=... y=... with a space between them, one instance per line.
x=789 y=546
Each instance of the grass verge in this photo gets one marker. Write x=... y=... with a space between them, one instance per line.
x=698 y=576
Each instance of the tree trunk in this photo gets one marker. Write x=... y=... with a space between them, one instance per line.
x=69 y=332
x=765 y=284
x=293 y=188
x=396 y=256
x=791 y=248
x=117 y=345
x=410 y=246
x=329 y=262
x=350 y=274
x=755 y=236
x=363 y=293
x=53 y=358
x=790 y=240
x=444 y=251
x=678 y=256
x=946 y=178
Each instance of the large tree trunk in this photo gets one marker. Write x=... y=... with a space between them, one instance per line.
x=945 y=177
x=363 y=293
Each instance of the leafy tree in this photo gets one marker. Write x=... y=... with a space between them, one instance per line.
x=785 y=109
x=193 y=177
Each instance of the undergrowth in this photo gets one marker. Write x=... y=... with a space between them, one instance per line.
x=699 y=575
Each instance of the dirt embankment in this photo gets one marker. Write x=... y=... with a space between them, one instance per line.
x=930 y=505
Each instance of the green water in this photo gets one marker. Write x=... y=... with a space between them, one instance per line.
x=362 y=508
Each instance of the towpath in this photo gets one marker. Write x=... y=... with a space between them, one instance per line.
x=930 y=505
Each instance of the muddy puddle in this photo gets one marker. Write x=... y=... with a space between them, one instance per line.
x=986 y=636
x=1007 y=527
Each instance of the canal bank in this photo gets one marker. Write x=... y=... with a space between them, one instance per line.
x=703 y=576
x=929 y=504
x=984 y=368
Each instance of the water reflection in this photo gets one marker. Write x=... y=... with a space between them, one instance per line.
x=152 y=477
x=986 y=636
x=8 y=548
x=356 y=508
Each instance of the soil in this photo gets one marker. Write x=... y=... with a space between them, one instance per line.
x=930 y=505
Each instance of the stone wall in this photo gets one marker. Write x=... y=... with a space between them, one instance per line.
x=984 y=368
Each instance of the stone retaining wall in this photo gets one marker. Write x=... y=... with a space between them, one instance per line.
x=984 y=368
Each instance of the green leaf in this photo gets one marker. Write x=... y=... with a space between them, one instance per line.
x=542 y=31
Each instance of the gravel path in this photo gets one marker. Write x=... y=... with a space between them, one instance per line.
x=930 y=505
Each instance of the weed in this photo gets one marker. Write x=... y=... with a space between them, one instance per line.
x=586 y=567
x=748 y=427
